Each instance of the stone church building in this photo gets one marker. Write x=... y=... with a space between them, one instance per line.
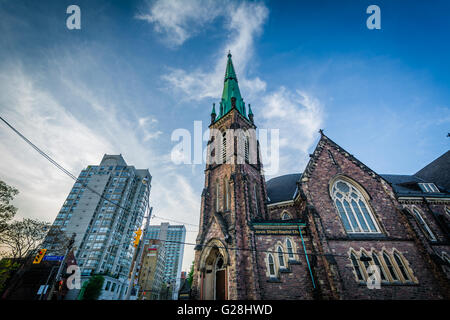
x=338 y=230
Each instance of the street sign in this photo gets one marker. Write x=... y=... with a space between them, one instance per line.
x=53 y=258
x=42 y=288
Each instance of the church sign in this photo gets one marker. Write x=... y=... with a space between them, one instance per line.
x=277 y=229
x=290 y=232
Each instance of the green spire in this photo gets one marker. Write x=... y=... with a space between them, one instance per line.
x=231 y=90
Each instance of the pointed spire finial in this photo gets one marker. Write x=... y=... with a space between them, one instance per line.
x=213 y=113
x=250 y=113
x=229 y=54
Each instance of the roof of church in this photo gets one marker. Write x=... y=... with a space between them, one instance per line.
x=408 y=185
x=230 y=90
x=437 y=171
x=282 y=188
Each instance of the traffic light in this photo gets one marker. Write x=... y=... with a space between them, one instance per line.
x=40 y=255
x=137 y=237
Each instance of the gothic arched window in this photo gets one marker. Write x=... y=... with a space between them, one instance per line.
x=356 y=266
x=365 y=261
x=281 y=257
x=380 y=267
x=217 y=194
x=289 y=249
x=246 y=149
x=226 y=194
x=352 y=206
x=256 y=198
x=390 y=267
x=402 y=267
x=447 y=211
x=224 y=148
x=271 y=264
x=446 y=268
x=423 y=224
x=286 y=216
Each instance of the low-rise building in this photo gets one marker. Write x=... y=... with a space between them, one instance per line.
x=151 y=273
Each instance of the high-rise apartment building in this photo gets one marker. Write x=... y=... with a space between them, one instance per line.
x=173 y=236
x=105 y=206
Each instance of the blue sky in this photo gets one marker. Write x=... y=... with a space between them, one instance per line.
x=138 y=70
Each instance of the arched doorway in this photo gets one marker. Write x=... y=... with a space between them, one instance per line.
x=220 y=270
x=214 y=272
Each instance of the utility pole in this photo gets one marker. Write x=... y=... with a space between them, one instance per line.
x=46 y=283
x=137 y=256
x=61 y=266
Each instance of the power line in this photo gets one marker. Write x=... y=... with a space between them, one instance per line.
x=172 y=220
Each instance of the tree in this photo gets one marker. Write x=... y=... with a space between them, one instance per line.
x=190 y=276
x=23 y=238
x=7 y=269
x=7 y=210
x=93 y=288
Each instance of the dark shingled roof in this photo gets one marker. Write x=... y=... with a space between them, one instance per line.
x=406 y=185
x=437 y=171
x=282 y=188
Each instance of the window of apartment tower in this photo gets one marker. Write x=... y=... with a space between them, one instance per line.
x=353 y=209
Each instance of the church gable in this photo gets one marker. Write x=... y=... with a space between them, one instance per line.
x=370 y=206
x=216 y=228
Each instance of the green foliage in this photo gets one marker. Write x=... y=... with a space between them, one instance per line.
x=7 y=269
x=94 y=287
x=7 y=210
x=190 y=276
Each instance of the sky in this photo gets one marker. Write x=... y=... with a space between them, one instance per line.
x=138 y=70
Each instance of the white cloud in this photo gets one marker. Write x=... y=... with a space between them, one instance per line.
x=180 y=20
x=246 y=21
x=298 y=116
x=146 y=120
x=49 y=125
x=28 y=102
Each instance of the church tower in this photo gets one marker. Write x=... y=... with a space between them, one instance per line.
x=234 y=194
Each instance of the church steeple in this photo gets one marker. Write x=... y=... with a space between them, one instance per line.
x=231 y=95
